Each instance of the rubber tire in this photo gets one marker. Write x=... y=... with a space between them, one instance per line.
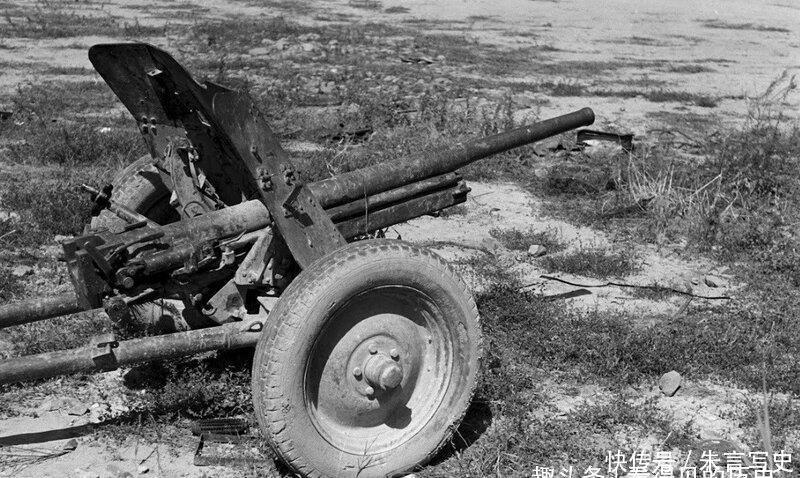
x=293 y=326
x=139 y=187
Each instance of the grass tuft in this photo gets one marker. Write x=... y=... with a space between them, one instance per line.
x=517 y=240
x=593 y=261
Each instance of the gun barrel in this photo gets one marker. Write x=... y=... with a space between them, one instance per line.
x=384 y=176
x=38 y=309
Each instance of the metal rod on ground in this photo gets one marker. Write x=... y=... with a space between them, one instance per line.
x=91 y=358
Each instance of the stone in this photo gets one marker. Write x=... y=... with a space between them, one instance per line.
x=258 y=51
x=281 y=44
x=490 y=245
x=669 y=383
x=537 y=250
x=711 y=281
x=117 y=472
x=70 y=445
x=21 y=271
x=308 y=47
x=142 y=469
x=78 y=410
x=59 y=238
x=9 y=216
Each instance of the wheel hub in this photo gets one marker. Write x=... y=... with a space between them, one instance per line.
x=377 y=375
x=383 y=372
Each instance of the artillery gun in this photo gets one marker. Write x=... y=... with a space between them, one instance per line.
x=366 y=351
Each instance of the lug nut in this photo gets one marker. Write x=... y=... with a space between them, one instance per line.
x=357 y=372
x=394 y=354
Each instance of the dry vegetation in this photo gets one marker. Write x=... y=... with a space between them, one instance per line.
x=734 y=196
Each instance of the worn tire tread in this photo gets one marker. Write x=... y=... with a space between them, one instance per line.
x=268 y=403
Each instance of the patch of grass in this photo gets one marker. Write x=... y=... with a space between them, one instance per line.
x=366 y=4
x=10 y=285
x=721 y=24
x=64 y=19
x=77 y=144
x=637 y=40
x=396 y=9
x=567 y=89
x=47 y=100
x=193 y=387
x=693 y=68
x=662 y=96
x=593 y=261
x=784 y=419
x=47 y=206
x=57 y=334
x=517 y=240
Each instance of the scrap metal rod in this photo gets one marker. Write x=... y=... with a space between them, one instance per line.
x=224 y=337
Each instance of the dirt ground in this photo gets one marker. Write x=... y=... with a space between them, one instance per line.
x=738 y=47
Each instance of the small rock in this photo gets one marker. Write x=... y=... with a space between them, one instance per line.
x=21 y=271
x=281 y=44
x=50 y=405
x=54 y=252
x=537 y=250
x=70 y=445
x=491 y=245
x=117 y=472
x=711 y=281
x=9 y=216
x=78 y=410
x=59 y=238
x=669 y=383
x=309 y=37
x=308 y=47
x=258 y=51
x=142 y=469
x=695 y=281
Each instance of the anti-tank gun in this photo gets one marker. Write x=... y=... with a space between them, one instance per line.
x=365 y=349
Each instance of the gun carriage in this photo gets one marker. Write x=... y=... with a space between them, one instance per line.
x=366 y=351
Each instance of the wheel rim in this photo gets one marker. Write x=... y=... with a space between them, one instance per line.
x=379 y=370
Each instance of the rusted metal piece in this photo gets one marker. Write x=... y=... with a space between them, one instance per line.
x=298 y=216
x=251 y=270
x=116 y=354
x=363 y=206
x=624 y=140
x=38 y=309
x=103 y=201
x=367 y=181
x=402 y=212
